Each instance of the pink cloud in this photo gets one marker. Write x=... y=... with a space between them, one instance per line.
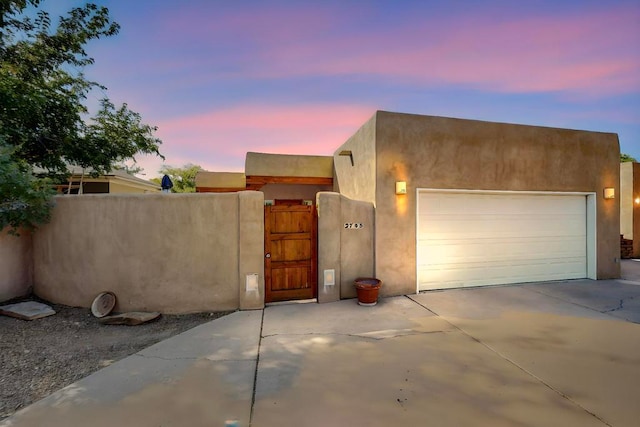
x=220 y=139
x=594 y=52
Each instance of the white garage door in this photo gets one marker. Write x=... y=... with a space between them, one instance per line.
x=474 y=239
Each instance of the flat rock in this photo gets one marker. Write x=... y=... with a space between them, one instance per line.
x=132 y=318
x=27 y=310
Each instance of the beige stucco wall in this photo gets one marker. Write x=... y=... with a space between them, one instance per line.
x=15 y=265
x=636 y=210
x=221 y=180
x=250 y=248
x=347 y=251
x=356 y=244
x=358 y=180
x=437 y=152
x=173 y=253
x=626 y=199
x=629 y=210
x=266 y=164
x=329 y=218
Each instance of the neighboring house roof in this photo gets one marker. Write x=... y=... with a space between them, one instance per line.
x=77 y=171
x=114 y=176
x=121 y=177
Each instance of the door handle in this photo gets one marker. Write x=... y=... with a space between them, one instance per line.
x=267 y=256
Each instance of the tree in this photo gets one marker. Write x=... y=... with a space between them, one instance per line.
x=626 y=158
x=43 y=93
x=24 y=200
x=184 y=178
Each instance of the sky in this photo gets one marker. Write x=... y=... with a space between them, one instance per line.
x=220 y=78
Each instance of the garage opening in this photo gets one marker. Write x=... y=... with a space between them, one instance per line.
x=478 y=238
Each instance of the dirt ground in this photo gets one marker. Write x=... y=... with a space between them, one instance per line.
x=41 y=356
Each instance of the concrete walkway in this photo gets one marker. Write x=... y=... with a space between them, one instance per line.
x=548 y=354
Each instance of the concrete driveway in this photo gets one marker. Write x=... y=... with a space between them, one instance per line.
x=547 y=354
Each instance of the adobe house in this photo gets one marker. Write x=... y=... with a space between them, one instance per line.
x=485 y=203
x=419 y=202
x=115 y=182
x=454 y=203
x=630 y=205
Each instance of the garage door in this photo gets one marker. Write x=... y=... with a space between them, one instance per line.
x=475 y=239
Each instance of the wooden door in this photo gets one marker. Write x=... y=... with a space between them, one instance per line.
x=290 y=252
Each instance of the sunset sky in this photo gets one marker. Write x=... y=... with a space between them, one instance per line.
x=220 y=78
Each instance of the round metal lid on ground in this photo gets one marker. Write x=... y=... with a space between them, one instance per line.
x=103 y=304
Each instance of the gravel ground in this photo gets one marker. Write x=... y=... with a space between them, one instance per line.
x=41 y=356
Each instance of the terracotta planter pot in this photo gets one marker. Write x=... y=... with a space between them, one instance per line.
x=367 y=289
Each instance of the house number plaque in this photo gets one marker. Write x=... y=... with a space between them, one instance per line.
x=353 y=225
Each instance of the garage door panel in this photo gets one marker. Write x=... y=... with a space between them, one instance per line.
x=449 y=203
x=443 y=226
x=549 y=247
x=478 y=253
x=482 y=239
x=480 y=277
x=481 y=273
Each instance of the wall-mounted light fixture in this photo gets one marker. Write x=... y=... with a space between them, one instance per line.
x=401 y=187
x=637 y=200
x=609 y=193
x=347 y=153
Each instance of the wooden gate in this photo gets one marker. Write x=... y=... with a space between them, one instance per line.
x=290 y=240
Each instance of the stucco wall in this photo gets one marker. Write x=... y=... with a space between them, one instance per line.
x=173 y=253
x=636 y=210
x=358 y=180
x=348 y=250
x=356 y=244
x=626 y=199
x=629 y=209
x=266 y=164
x=15 y=265
x=251 y=248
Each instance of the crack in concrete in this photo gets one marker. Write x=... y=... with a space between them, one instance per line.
x=255 y=374
x=165 y=358
x=366 y=335
x=561 y=298
x=620 y=305
x=192 y=358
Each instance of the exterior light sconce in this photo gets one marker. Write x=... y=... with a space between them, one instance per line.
x=347 y=153
x=609 y=193
x=401 y=187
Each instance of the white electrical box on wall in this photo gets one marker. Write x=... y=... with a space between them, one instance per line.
x=329 y=277
x=252 y=282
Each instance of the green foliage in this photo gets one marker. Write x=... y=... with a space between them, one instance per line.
x=184 y=178
x=626 y=158
x=43 y=93
x=113 y=136
x=25 y=201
